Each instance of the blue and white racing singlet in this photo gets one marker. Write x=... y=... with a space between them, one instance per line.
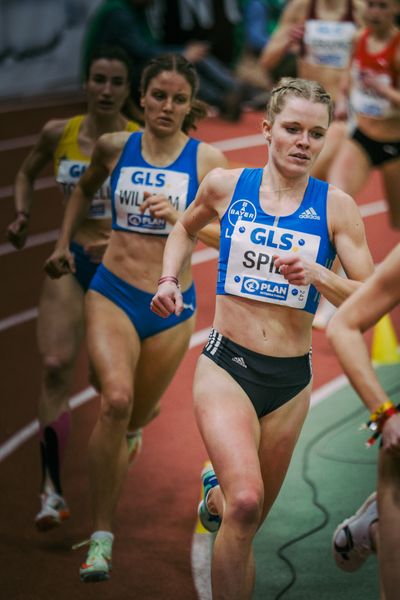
x=250 y=238
x=133 y=176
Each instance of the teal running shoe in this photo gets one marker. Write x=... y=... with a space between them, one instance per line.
x=135 y=442
x=209 y=521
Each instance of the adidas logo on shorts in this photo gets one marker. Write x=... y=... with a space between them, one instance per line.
x=310 y=213
x=240 y=361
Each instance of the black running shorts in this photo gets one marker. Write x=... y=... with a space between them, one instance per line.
x=269 y=381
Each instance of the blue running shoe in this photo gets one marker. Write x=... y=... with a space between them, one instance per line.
x=209 y=521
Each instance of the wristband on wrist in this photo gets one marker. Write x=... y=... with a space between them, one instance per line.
x=378 y=419
x=170 y=278
x=381 y=410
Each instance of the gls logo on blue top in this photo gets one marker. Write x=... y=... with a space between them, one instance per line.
x=264 y=288
x=242 y=210
x=148 y=178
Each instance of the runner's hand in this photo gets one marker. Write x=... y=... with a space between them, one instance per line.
x=167 y=300
x=60 y=263
x=295 y=269
x=159 y=207
x=17 y=231
x=391 y=434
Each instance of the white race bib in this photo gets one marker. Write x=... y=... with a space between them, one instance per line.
x=69 y=172
x=328 y=42
x=129 y=196
x=251 y=272
x=367 y=101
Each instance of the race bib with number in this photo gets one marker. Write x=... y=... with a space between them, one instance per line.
x=250 y=270
x=129 y=197
x=68 y=174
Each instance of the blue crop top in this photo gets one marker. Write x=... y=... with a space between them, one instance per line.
x=133 y=176
x=250 y=237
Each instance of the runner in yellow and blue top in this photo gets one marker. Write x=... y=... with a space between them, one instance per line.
x=280 y=229
x=69 y=143
x=134 y=353
x=70 y=162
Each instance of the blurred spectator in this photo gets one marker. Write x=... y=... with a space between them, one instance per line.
x=217 y=22
x=126 y=23
x=19 y=38
x=260 y=18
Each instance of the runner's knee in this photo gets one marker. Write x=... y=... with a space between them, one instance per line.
x=244 y=508
x=117 y=405
x=56 y=371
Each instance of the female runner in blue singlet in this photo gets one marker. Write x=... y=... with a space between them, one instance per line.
x=69 y=144
x=134 y=353
x=280 y=231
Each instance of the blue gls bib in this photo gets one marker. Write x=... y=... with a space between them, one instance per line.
x=133 y=176
x=250 y=238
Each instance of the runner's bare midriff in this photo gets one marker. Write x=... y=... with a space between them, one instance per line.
x=265 y=328
x=137 y=258
x=92 y=230
x=381 y=130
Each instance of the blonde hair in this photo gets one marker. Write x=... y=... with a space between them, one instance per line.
x=288 y=87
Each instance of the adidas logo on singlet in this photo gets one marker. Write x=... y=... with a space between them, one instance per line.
x=310 y=213
x=240 y=361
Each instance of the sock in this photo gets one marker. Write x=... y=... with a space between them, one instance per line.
x=53 y=441
x=98 y=535
x=133 y=433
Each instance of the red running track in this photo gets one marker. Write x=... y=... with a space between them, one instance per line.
x=157 y=512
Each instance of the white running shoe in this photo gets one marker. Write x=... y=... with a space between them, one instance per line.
x=97 y=566
x=351 y=542
x=53 y=512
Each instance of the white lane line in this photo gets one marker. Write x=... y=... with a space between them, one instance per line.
x=199 y=257
x=18 y=318
x=200 y=558
x=238 y=143
x=35 y=240
x=18 y=142
x=373 y=208
x=24 y=434
x=367 y=210
x=204 y=255
x=43 y=183
x=329 y=388
x=197 y=339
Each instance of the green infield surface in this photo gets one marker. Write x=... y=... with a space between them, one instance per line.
x=331 y=474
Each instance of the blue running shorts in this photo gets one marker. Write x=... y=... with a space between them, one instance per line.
x=136 y=303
